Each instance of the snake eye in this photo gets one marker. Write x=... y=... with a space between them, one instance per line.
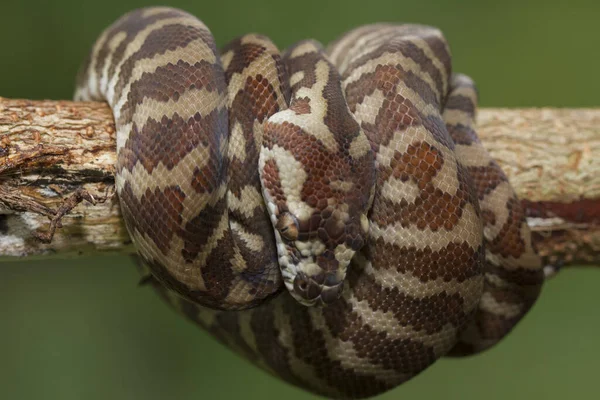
x=287 y=225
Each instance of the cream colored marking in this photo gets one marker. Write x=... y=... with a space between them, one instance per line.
x=343 y=255
x=424 y=108
x=123 y=132
x=364 y=223
x=139 y=41
x=470 y=289
x=190 y=103
x=395 y=190
x=368 y=109
x=462 y=80
x=104 y=78
x=497 y=281
x=496 y=201
x=253 y=241
x=472 y=155
x=395 y=58
x=314 y=122
x=258 y=130
x=247 y=334
x=360 y=41
x=400 y=142
x=161 y=177
x=339 y=50
x=529 y=259
x=237 y=262
x=264 y=65
x=507 y=310
x=466 y=91
x=192 y=274
x=292 y=177
x=344 y=353
x=192 y=53
x=82 y=93
x=304 y=48
x=93 y=80
x=296 y=77
x=467 y=230
x=445 y=179
x=342 y=186
x=254 y=38
x=304 y=371
x=437 y=63
x=415 y=34
x=172 y=261
x=455 y=117
x=226 y=59
x=360 y=146
x=310 y=247
x=237 y=142
x=387 y=323
x=250 y=199
x=148 y=12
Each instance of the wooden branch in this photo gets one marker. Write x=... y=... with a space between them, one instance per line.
x=57 y=159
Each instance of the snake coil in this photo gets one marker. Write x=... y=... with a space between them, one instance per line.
x=329 y=214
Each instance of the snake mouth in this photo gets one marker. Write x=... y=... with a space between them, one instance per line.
x=320 y=290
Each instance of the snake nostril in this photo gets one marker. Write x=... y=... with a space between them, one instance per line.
x=301 y=284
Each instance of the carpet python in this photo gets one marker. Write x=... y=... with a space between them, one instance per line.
x=327 y=213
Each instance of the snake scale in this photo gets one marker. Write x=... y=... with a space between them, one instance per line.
x=328 y=213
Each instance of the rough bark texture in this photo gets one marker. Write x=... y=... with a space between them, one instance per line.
x=57 y=158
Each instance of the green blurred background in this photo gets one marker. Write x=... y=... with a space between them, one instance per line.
x=82 y=329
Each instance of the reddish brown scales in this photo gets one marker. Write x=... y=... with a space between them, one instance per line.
x=130 y=24
x=148 y=145
x=427 y=265
x=346 y=349
x=156 y=214
x=430 y=314
x=396 y=111
x=513 y=273
x=301 y=106
x=271 y=176
x=509 y=242
x=169 y=82
x=168 y=38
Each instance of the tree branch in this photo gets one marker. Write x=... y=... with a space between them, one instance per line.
x=57 y=164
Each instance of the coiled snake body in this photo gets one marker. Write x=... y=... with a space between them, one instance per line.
x=328 y=214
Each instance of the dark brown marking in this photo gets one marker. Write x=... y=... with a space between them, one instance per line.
x=156 y=214
x=169 y=140
x=301 y=106
x=166 y=38
x=131 y=24
x=429 y=314
x=171 y=81
x=455 y=262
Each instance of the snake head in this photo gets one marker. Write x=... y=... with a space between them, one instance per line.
x=318 y=208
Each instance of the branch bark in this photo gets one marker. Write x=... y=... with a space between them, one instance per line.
x=57 y=160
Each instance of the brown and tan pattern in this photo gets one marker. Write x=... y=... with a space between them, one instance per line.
x=318 y=173
x=329 y=215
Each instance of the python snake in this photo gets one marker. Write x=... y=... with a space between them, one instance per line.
x=329 y=214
